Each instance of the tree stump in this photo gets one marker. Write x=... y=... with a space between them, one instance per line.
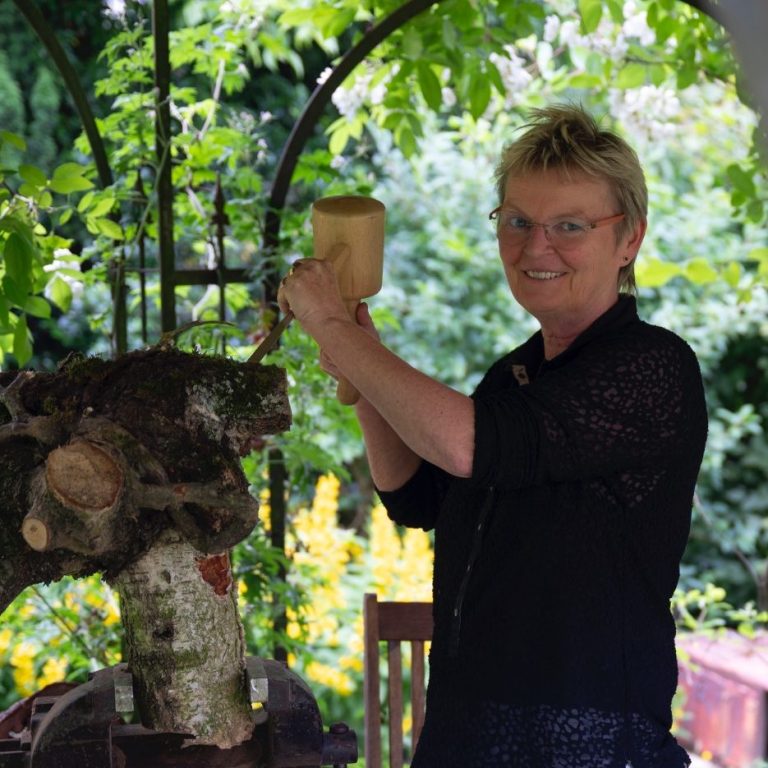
x=132 y=468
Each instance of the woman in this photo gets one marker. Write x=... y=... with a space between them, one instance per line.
x=560 y=492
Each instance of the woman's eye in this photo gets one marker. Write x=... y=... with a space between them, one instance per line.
x=570 y=227
x=517 y=222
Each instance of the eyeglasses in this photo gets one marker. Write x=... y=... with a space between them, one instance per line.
x=566 y=233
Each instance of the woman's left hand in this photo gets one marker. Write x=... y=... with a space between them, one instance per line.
x=311 y=292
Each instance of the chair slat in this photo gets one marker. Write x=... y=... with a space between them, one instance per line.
x=395 y=698
x=393 y=622
x=405 y=621
x=418 y=696
x=372 y=707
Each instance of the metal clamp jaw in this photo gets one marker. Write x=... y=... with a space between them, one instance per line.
x=85 y=728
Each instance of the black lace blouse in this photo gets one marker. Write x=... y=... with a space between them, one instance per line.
x=556 y=560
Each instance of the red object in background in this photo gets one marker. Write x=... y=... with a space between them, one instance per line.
x=725 y=679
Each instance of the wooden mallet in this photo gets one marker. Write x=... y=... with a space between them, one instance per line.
x=349 y=232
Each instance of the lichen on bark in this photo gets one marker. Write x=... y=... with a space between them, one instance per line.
x=132 y=468
x=185 y=645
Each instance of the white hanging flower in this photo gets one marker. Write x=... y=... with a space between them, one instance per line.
x=449 y=97
x=324 y=75
x=551 y=28
x=114 y=9
x=647 y=112
x=513 y=73
x=338 y=161
x=636 y=24
x=349 y=100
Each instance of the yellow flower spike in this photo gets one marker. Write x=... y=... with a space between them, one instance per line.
x=6 y=636
x=385 y=548
x=54 y=671
x=330 y=677
x=24 y=653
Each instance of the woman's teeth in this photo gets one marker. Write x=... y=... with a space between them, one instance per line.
x=544 y=275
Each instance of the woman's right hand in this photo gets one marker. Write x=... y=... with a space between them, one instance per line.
x=364 y=320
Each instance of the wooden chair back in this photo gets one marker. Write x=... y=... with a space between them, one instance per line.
x=393 y=622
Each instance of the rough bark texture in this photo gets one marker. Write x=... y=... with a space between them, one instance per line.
x=99 y=457
x=187 y=652
x=132 y=468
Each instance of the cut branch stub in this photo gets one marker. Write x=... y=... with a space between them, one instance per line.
x=100 y=457
x=36 y=533
x=74 y=500
x=84 y=477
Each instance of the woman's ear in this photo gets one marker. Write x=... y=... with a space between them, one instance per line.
x=633 y=240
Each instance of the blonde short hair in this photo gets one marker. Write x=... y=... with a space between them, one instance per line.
x=566 y=138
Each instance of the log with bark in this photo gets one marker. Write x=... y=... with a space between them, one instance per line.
x=131 y=468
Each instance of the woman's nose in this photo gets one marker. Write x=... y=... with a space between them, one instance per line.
x=537 y=238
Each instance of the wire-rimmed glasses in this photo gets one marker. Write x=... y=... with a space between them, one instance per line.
x=513 y=228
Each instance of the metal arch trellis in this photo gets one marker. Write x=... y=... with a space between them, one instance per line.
x=745 y=20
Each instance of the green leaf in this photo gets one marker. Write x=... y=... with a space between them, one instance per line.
x=32 y=175
x=13 y=139
x=632 y=75
x=584 y=80
x=479 y=94
x=108 y=227
x=339 y=139
x=665 y=28
x=700 y=272
x=60 y=293
x=69 y=171
x=85 y=202
x=37 y=306
x=732 y=274
x=102 y=207
x=760 y=255
x=687 y=75
x=72 y=184
x=591 y=12
x=451 y=38
x=406 y=140
x=22 y=347
x=430 y=86
x=69 y=177
x=15 y=293
x=653 y=273
x=18 y=256
x=413 y=46
x=741 y=179
x=340 y=22
x=756 y=211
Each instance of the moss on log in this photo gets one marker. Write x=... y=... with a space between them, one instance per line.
x=99 y=457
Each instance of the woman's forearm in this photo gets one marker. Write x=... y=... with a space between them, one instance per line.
x=391 y=461
x=433 y=421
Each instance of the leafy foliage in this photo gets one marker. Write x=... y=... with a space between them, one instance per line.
x=38 y=268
